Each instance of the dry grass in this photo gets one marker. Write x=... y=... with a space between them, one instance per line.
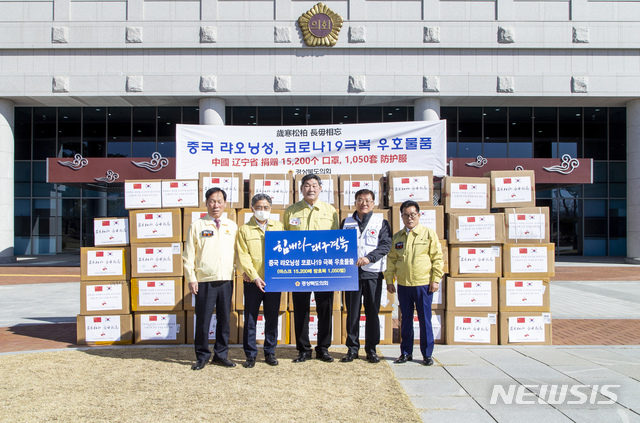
x=157 y=384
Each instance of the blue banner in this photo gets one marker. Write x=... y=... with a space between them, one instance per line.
x=298 y=261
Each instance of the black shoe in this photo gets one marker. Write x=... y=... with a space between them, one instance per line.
x=250 y=363
x=198 y=365
x=373 y=358
x=349 y=357
x=271 y=359
x=302 y=357
x=428 y=361
x=325 y=356
x=222 y=361
x=403 y=358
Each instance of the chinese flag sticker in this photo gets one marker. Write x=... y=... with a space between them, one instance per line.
x=137 y=186
x=173 y=185
x=153 y=318
x=466 y=320
x=520 y=319
x=106 y=223
x=519 y=284
x=97 y=320
x=405 y=180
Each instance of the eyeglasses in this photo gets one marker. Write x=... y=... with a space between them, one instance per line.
x=410 y=216
x=361 y=201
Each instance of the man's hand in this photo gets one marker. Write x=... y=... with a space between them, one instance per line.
x=245 y=277
x=260 y=283
x=193 y=288
x=391 y=288
x=362 y=261
x=434 y=286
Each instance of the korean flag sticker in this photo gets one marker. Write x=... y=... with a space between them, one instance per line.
x=295 y=221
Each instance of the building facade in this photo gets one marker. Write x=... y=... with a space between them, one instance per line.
x=513 y=79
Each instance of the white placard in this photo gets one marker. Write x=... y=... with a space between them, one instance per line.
x=473 y=294
x=212 y=324
x=180 y=193
x=468 y=196
x=477 y=260
x=427 y=219
x=472 y=329
x=158 y=327
x=261 y=324
x=153 y=225
x=111 y=231
x=155 y=259
x=277 y=189
x=351 y=186
x=526 y=226
x=102 y=328
x=104 y=297
x=156 y=293
x=526 y=329
x=476 y=228
x=229 y=184
x=313 y=328
x=272 y=216
x=527 y=293
x=529 y=260
x=414 y=188
x=513 y=189
x=105 y=263
x=142 y=195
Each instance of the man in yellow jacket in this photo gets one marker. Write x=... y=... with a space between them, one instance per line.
x=251 y=258
x=416 y=261
x=208 y=260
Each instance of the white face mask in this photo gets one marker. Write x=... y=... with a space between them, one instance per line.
x=261 y=215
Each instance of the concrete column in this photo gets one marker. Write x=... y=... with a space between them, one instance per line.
x=427 y=108
x=6 y=180
x=212 y=111
x=633 y=181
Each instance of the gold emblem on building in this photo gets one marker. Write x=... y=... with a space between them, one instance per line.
x=320 y=26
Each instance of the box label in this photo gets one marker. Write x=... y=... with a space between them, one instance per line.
x=180 y=193
x=526 y=226
x=473 y=294
x=472 y=329
x=529 y=260
x=111 y=231
x=349 y=189
x=143 y=194
x=228 y=184
x=104 y=297
x=260 y=327
x=436 y=325
x=468 y=196
x=476 y=228
x=525 y=293
x=154 y=225
x=477 y=260
x=415 y=188
x=102 y=328
x=155 y=259
x=363 y=327
x=158 y=327
x=526 y=329
x=156 y=293
x=327 y=194
x=105 y=263
x=313 y=328
x=212 y=325
x=513 y=189
x=277 y=189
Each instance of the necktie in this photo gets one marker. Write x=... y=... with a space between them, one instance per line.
x=217 y=223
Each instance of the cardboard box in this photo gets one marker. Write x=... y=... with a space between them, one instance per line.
x=529 y=260
x=233 y=327
x=330 y=192
x=111 y=231
x=466 y=194
x=143 y=194
x=430 y=216
x=472 y=261
x=278 y=186
x=163 y=294
x=189 y=215
x=384 y=213
x=445 y=254
x=232 y=183
x=312 y=303
x=336 y=331
x=530 y=224
x=154 y=260
x=472 y=294
x=386 y=328
x=245 y=215
x=156 y=225
x=471 y=328
x=189 y=300
x=104 y=330
x=238 y=292
x=282 y=328
x=180 y=193
x=104 y=263
x=415 y=185
x=387 y=299
x=437 y=324
x=104 y=298
x=525 y=328
x=350 y=184
x=475 y=228
x=165 y=327
x=513 y=188
x=523 y=295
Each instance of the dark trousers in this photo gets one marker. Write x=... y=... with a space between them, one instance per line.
x=324 y=308
x=408 y=296
x=212 y=295
x=370 y=290
x=271 y=303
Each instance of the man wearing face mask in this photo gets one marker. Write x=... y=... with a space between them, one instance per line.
x=250 y=246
